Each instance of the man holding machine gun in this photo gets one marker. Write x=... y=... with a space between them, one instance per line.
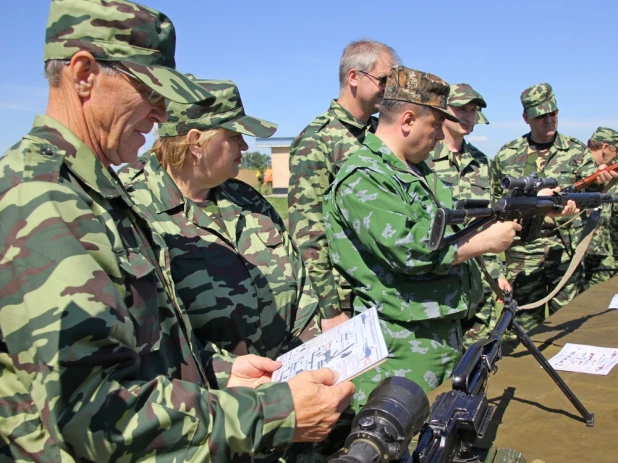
x=378 y=215
x=534 y=270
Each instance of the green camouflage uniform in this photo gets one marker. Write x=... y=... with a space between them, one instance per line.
x=234 y=266
x=536 y=268
x=315 y=157
x=237 y=272
x=468 y=174
x=97 y=362
x=600 y=253
x=378 y=213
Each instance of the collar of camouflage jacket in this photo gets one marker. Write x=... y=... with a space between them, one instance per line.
x=378 y=147
x=441 y=152
x=339 y=112
x=169 y=197
x=77 y=156
x=560 y=143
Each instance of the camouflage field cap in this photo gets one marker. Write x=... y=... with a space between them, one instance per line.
x=462 y=94
x=405 y=84
x=539 y=100
x=142 y=39
x=605 y=135
x=223 y=110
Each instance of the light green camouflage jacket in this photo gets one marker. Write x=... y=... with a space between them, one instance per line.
x=237 y=272
x=601 y=243
x=96 y=363
x=378 y=214
x=566 y=162
x=468 y=178
x=315 y=157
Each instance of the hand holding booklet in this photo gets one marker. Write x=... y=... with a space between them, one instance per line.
x=350 y=349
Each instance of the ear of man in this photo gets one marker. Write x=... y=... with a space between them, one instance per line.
x=82 y=72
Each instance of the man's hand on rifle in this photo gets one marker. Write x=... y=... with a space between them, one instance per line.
x=569 y=209
x=606 y=177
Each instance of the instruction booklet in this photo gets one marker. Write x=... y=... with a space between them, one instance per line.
x=350 y=349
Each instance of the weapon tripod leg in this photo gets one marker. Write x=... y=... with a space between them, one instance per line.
x=527 y=342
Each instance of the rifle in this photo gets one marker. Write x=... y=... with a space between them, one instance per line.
x=590 y=180
x=521 y=204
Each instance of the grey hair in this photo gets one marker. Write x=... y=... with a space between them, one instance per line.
x=363 y=55
x=390 y=109
x=54 y=68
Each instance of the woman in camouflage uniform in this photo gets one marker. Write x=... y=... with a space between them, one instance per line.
x=235 y=268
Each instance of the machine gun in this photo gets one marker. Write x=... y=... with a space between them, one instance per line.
x=521 y=204
x=397 y=407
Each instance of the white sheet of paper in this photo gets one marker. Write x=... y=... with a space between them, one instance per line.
x=580 y=358
x=614 y=303
x=350 y=349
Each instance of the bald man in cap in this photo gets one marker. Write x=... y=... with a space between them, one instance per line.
x=378 y=214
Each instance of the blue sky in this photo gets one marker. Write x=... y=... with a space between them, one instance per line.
x=284 y=56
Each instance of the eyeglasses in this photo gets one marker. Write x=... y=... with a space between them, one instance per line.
x=152 y=96
x=381 y=80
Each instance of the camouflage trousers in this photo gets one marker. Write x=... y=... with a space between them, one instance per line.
x=598 y=269
x=483 y=321
x=424 y=351
x=534 y=274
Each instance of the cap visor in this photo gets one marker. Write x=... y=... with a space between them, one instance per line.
x=251 y=126
x=480 y=118
x=169 y=83
x=448 y=115
x=542 y=109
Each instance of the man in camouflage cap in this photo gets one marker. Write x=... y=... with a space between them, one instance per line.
x=378 y=214
x=600 y=261
x=535 y=269
x=99 y=361
x=467 y=172
x=318 y=152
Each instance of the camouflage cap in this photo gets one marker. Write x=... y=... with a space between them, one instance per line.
x=223 y=110
x=142 y=39
x=539 y=100
x=605 y=135
x=405 y=84
x=462 y=94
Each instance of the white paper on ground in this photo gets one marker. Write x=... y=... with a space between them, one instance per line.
x=580 y=358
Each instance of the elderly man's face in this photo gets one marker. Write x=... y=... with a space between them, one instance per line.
x=119 y=115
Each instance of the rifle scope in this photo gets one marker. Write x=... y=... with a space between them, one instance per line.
x=529 y=183
x=381 y=431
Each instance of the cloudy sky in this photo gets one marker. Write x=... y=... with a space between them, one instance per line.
x=284 y=55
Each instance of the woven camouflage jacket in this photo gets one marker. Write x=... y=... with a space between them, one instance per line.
x=468 y=178
x=235 y=268
x=378 y=214
x=566 y=161
x=96 y=363
x=315 y=157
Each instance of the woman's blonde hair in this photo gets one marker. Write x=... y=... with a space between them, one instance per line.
x=174 y=151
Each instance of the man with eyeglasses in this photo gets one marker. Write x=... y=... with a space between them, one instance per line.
x=467 y=172
x=316 y=155
x=99 y=361
x=535 y=269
